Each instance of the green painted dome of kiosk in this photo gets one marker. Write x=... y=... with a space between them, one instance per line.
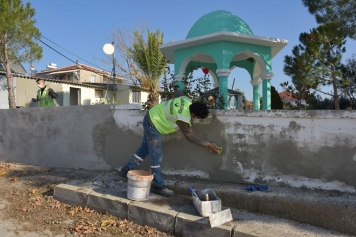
x=217 y=21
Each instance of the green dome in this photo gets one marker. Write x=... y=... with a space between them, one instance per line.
x=217 y=21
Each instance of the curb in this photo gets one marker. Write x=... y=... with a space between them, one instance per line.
x=161 y=216
x=177 y=214
x=329 y=210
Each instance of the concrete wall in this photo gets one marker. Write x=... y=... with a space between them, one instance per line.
x=123 y=94
x=4 y=101
x=27 y=89
x=312 y=149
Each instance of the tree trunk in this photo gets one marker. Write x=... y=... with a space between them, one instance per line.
x=336 y=96
x=9 y=76
x=153 y=96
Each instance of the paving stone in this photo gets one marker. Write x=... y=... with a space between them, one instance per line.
x=198 y=226
x=113 y=202
x=160 y=217
x=5 y=233
x=71 y=194
x=29 y=234
x=240 y=231
x=4 y=224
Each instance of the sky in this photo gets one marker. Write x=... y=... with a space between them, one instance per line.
x=82 y=27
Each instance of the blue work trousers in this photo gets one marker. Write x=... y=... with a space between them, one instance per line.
x=151 y=145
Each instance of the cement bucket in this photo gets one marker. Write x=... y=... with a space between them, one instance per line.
x=139 y=185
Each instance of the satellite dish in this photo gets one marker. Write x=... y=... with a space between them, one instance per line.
x=108 y=49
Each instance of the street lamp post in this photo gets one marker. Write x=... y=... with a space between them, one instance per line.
x=109 y=49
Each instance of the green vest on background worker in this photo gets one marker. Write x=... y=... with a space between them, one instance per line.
x=45 y=95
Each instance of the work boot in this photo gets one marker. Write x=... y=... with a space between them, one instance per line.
x=123 y=172
x=162 y=191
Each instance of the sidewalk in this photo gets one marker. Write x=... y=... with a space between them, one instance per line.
x=104 y=191
x=178 y=215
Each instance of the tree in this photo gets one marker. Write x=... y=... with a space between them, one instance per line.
x=349 y=74
x=316 y=62
x=276 y=102
x=17 y=38
x=150 y=60
x=298 y=68
x=125 y=66
x=340 y=12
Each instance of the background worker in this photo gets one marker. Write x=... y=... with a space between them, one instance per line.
x=166 y=118
x=45 y=95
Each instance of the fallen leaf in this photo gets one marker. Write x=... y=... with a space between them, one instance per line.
x=33 y=190
x=24 y=209
x=106 y=222
x=78 y=228
x=71 y=212
x=13 y=179
x=2 y=173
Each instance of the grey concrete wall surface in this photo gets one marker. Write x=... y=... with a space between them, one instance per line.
x=311 y=149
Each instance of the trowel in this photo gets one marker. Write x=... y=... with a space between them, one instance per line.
x=220 y=218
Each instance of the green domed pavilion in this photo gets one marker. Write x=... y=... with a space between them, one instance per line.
x=221 y=41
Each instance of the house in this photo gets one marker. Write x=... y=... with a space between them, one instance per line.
x=286 y=97
x=125 y=94
x=15 y=68
x=76 y=72
x=69 y=92
x=85 y=90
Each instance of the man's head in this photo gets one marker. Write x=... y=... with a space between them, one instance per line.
x=40 y=83
x=198 y=110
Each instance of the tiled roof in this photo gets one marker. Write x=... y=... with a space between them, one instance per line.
x=286 y=95
x=75 y=67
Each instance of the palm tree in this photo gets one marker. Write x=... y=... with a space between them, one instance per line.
x=150 y=60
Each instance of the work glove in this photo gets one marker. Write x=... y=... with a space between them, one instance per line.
x=50 y=91
x=33 y=100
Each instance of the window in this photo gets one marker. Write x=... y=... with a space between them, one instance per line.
x=136 y=97
x=92 y=78
x=99 y=94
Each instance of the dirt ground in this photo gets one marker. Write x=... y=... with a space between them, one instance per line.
x=28 y=193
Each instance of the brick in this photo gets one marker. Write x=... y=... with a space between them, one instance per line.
x=72 y=195
x=160 y=217
x=197 y=226
x=113 y=202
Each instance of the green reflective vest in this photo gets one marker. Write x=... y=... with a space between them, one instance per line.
x=165 y=114
x=45 y=99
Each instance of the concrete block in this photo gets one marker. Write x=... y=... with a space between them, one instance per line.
x=72 y=195
x=197 y=226
x=113 y=203
x=160 y=217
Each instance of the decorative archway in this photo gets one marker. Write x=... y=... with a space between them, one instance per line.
x=220 y=41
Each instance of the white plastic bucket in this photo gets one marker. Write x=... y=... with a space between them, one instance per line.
x=139 y=185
